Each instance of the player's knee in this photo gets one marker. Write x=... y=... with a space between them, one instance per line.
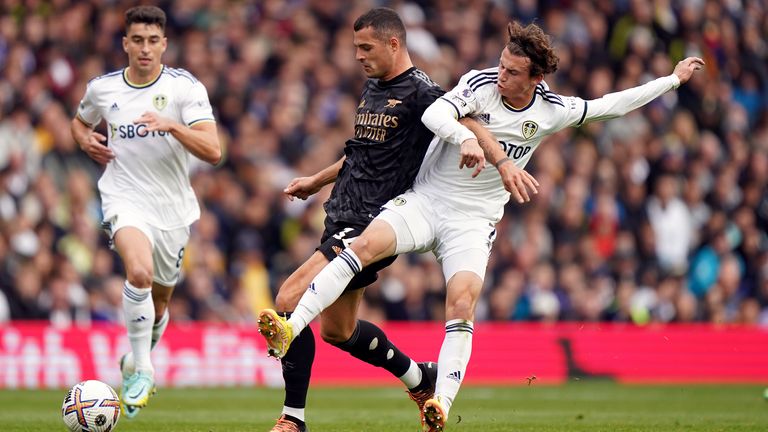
x=286 y=300
x=336 y=329
x=461 y=308
x=365 y=249
x=139 y=277
x=335 y=336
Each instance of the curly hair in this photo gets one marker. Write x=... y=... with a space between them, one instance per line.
x=531 y=41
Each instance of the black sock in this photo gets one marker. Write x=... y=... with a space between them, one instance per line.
x=297 y=368
x=359 y=346
x=425 y=382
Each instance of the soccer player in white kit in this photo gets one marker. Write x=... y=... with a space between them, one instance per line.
x=156 y=117
x=453 y=212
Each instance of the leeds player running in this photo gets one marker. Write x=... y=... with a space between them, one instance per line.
x=380 y=162
x=453 y=214
x=156 y=116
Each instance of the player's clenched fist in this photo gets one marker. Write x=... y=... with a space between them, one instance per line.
x=301 y=188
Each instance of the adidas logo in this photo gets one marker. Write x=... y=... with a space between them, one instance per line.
x=312 y=288
x=139 y=319
x=114 y=107
x=484 y=118
x=456 y=376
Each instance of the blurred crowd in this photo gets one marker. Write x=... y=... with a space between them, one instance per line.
x=660 y=216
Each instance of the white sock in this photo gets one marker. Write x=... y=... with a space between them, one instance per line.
x=453 y=360
x=294 y=412
x=157 y=332
x=159 y=328
x=139 y=319
x=412 y=377
x=325 y=288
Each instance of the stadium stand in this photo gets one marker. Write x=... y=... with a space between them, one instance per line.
x=660 y=216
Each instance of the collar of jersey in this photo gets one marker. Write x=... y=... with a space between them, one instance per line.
x=397 y=78
x=513 y=109
x=140 y=86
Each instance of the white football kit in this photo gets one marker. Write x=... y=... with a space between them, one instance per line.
x=147 y=184
x=453 y=214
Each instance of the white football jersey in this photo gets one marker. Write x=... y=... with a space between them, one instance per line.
x=150 y=173
x=518 y=130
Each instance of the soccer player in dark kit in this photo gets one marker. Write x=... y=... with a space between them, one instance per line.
x=379 y=162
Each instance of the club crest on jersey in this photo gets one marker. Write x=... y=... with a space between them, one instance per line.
x=160 y=101
x=391 y=103
x=529 y=129
x=398 y=201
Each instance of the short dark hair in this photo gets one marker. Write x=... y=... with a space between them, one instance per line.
x=150 y=15
x=385 y=23
x=531 y=41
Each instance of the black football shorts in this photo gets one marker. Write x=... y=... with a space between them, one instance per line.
x=336 y=238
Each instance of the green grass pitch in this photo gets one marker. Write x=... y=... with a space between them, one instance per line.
x=579 y=406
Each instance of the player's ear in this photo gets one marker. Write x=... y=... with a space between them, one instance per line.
x=394 y=43
x=125 y=43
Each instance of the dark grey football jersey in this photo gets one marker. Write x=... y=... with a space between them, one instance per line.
x=386 y=152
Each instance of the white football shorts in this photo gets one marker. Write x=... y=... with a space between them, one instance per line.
x=459 y=242
x=167 y=245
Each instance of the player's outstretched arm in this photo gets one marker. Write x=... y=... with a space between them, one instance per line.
x=304 y=187
x=619 y=103
x=200 y=139
x=91 y=142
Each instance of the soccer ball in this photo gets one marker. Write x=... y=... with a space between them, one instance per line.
x=91 y=406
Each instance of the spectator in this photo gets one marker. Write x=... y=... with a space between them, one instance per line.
x=672 y=225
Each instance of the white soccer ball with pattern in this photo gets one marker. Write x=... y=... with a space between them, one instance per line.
x=91 y=406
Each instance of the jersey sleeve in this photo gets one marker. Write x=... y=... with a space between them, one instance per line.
x=461 y=101
x=88 y=110
x=575 y=112
x=195 y=106
x=465 y=97
x=619 y=103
